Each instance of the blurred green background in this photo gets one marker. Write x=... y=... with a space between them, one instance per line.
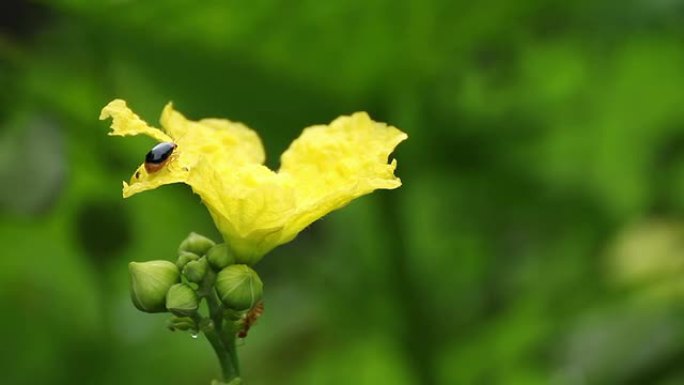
x=538 y=237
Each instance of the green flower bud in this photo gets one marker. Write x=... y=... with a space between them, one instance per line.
x=196 y=243
x=149 y=283
x=239 y=287
x=181 y=323
x=181 y=300
x=195 y=271
x=184 y=257
x=219 y=256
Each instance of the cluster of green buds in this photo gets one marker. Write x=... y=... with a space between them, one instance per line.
x=203 y=271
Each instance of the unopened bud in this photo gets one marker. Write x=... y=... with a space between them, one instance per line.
x=150 y=281
x=219 y=256
x=184 y=257
x=239 y=287
x=196 y=243
x=182 y=300
x=195 y=271
x=181 y=323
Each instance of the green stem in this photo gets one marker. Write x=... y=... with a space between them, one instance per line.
x=228 y=368
x=221 y=336
x=229 y=342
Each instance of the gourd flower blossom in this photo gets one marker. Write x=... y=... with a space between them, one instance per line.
x=254 y=207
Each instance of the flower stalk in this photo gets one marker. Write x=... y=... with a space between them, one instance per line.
x=223 y=342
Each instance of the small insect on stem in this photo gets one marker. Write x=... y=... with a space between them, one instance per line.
x=158 y=156
x=250 y=319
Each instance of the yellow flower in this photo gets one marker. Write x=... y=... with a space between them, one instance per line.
x=255 y=208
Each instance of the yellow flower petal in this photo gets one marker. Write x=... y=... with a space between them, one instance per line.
x=125 y=122
x=255 y=208
x=220 y=138
x=331 y=165
x=220 y=143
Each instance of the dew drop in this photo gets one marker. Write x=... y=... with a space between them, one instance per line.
x=194 y=335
